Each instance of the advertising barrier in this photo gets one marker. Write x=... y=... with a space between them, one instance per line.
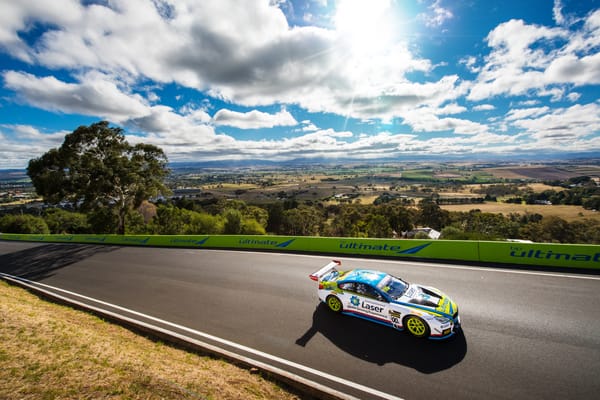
x=535 y=254
x=541 y=254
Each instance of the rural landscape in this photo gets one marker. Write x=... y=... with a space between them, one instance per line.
x=546 y=201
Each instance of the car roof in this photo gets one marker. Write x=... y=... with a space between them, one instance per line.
x=367 y=276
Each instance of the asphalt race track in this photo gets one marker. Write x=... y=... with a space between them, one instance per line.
x=526 y=334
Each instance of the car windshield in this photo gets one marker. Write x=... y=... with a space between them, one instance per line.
x=394 y=287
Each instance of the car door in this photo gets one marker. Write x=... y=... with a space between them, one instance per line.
x=365 y=301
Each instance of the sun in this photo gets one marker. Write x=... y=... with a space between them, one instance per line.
x=365 y=25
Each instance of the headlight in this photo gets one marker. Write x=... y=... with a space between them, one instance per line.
x=443 y=320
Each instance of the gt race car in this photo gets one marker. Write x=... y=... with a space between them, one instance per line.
x=423 y=311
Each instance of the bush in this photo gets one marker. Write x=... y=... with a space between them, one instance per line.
x=62 y=221
x=23 y=224
x=204 y=224
x=252 y=227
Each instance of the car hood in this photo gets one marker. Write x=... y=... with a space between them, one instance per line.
x=430 y=298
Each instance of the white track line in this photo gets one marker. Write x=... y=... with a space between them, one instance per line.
x=333 y=378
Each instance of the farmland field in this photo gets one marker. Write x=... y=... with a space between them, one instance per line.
x=568 y=213
x=543 y=172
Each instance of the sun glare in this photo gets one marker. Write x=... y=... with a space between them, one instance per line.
x=366 y=26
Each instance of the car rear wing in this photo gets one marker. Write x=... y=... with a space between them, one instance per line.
x=326 y=270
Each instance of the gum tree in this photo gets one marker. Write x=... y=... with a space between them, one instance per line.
x=97 y=169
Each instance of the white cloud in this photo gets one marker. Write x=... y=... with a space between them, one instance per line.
x=484 y=107
x=557 y=12
x=519 y=65
x=96 y=96
x=308 y=126
x=21 y=16
x=253 y=119
x=425 y=119
x=21 y=143
x=517 y=114
x=437 y=15
x=573 y=69
x=471 y=63
x=449 y=109
x=513 y=66
x=247 y=55
x=561 y=126
x=528 y=103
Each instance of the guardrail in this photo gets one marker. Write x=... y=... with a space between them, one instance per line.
x=533 y=254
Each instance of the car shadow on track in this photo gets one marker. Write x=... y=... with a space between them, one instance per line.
x=41 y=262
x=381 y=345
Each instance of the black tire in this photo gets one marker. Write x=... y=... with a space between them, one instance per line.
x=334 y=304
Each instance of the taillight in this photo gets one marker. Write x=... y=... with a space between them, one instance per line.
x=313 y=277
x=321 y=286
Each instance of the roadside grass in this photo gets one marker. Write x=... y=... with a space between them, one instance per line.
x=49 y=351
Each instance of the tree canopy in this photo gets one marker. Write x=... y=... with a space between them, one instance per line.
x=96 y=168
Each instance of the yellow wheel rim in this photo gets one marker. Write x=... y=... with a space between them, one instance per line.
x=334 y=303
x=416 y=326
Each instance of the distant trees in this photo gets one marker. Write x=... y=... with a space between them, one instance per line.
x=172 y=220
x=580 y=191
x=303 y=220
x=361 y=220
x=349 y=220
x=96 y=169
x=23 y=224
x=431 y=215
x=477 y=225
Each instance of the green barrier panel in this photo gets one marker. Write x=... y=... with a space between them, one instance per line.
x=541 y=254
x=353 y=246
x=429 y=249
x=538 y=254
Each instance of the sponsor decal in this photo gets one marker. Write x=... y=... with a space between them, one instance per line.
x=519 y=252
x=368 y=307
x=265 y=242
x=367 y=247
x=136 y=240
x=286 y=243
x=189 y=241
x=100 y=239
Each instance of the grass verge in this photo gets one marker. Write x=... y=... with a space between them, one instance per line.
x=50 y=351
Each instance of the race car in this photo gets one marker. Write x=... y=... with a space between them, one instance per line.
x=423 y=311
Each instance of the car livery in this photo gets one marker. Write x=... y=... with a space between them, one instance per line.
x=423 y=311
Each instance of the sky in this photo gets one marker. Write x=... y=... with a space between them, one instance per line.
x=282 y=80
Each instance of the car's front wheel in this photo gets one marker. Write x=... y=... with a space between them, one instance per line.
x=416 y=326
x=334 y=303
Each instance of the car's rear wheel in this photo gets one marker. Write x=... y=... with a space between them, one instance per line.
x=416 y=326
x=334 y=303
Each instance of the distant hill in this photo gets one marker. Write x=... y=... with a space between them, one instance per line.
x=13 y=174
x=542 y=159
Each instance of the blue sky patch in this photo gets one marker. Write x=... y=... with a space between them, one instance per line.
x=312 y=80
